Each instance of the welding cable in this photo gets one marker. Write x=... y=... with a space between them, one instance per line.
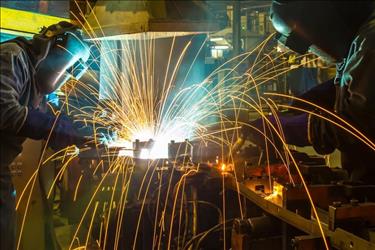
x=202 y=202
x=57 y=201
x=212 y=205
x=152 y=198
x=186 y=227
x=185 y=209
x=204 y=234
x=51 y=239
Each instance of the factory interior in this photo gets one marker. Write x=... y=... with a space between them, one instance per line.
x=187 y=124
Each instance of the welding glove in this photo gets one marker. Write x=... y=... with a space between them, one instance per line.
x=104 y=134
x=38 y=126
x=294 y=129
x=107 y=136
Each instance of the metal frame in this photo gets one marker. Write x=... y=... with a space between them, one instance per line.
x=339 y=238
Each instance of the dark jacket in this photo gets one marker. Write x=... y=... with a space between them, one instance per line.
x=18 y=91
x=355 y=102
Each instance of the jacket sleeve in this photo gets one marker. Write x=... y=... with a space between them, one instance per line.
x=14 y=75
x=355 y=103
x=322 y=94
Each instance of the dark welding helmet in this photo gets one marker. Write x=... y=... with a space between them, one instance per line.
x=285 y=26
x=325 y=28
x=64 y=55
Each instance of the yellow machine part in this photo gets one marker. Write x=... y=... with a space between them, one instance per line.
x=25 y=23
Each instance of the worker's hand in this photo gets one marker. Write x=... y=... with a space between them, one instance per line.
x=99 y=133
x=293 y=128
x=39 y=125
x=107 y=136
x=65 y=134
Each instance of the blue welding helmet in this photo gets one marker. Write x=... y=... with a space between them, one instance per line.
x=325 y=28
x=66 y=55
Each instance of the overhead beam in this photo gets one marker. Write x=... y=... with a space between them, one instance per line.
x=25 y=23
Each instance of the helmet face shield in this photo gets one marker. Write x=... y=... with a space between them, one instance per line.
x=326 y=28
x=294 y=42
x=286 y=29
x=78 y=69
x=80 y=53
x=65 y=60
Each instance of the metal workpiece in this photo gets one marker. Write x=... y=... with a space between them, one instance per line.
x=250 y=233
x=345 y=211
x=362 y=214
x=307 y=242
x=339 y=238
x=257 y=226
x=278 y=212
x=178 y=149
x=194 y=190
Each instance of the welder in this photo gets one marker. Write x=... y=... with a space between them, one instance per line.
x=342 y=32
x=30 y=69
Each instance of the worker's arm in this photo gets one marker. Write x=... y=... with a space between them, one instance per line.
x=294 y=124
x=13 y=77
x=356 y=101
x=24 y=121
x=293 y=128
x=59 y=131
x=322 y=94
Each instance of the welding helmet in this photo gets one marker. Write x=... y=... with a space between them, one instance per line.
x=64 y=55
x=325 y=28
